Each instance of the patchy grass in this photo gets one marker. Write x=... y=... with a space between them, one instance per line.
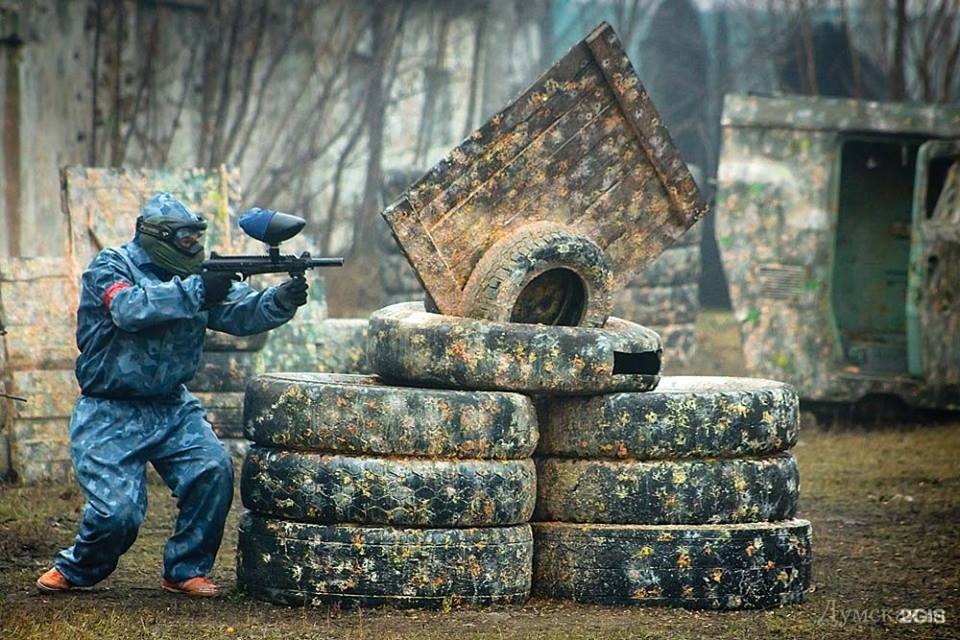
x=885 y=504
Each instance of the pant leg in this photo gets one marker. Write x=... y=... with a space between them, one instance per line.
x=106 y=445
x=199 y=471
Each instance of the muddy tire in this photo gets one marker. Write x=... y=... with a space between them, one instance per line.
x=301 y=564
x=737 y=566
x=674 y=267
x=657 y=306
x=360 y=415
x=224 y=413
x=341 y=346
x=542 y=273
x=668 y=491
x=218 y=341
x=405 y=492
x=225 y=371
x=409 y=345
x=685 y=417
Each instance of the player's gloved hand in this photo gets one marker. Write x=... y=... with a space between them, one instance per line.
x=216 y=285
x=292 y=293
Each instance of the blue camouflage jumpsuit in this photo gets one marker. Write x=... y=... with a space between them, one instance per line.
x=140 y=340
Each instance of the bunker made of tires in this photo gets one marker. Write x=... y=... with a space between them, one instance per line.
x=554 y=203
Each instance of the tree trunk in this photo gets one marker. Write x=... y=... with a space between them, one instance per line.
x=898 y=83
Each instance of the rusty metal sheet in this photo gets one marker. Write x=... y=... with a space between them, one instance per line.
x=584 y=147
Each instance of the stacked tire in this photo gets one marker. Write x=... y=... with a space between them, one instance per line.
x=665 y=297
x=225 y=366
x=682 y=496
x=363 y=493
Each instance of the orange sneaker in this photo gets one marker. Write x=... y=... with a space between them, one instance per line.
x=53 y=582
x=199 y=586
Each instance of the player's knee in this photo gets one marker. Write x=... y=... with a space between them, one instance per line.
x=218 y=469
x=125 y=519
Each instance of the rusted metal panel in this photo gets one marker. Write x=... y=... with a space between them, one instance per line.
x=777 y=203
x=935 y=267
x=583 y=146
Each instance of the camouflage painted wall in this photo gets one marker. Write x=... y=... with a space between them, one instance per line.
x=777 y=213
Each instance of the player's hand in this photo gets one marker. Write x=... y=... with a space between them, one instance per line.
x=292 y=293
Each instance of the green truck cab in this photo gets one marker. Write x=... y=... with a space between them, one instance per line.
x=838 y=224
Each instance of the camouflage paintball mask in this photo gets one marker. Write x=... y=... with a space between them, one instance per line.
x=172 y=235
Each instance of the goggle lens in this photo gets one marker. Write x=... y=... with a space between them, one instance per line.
x=187 y=238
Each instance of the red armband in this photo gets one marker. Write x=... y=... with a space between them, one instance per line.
x=113 y=290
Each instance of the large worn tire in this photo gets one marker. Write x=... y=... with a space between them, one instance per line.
x=307 y=564
x=667 y=491
x=542 y=273
x=405 y=492
x=409 y=345
x=359 y=415
x=224 y=413
x=225 y=371
x=217 y=341
x=675 y=266
x=656 y=306
x=342 y=346
x=686 y=416
x=734 y=566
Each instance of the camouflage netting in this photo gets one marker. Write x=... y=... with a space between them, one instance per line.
x=732 y=566
x=300 y=564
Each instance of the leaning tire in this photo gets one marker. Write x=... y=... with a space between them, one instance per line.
x=542 y=273
x=734 y=566
x=686 y=416
x=405 y=492
x=409 y=345
x=222 y=371
x=360 y=415
x=306 y=564
x=668 y=491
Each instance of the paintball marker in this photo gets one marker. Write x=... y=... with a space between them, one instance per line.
x=272 y=228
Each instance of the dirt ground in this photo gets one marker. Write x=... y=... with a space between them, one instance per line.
x=884 y=502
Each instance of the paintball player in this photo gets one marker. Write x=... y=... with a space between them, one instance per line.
x=144 y=308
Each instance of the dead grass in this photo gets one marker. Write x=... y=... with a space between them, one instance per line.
x=885 y=504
